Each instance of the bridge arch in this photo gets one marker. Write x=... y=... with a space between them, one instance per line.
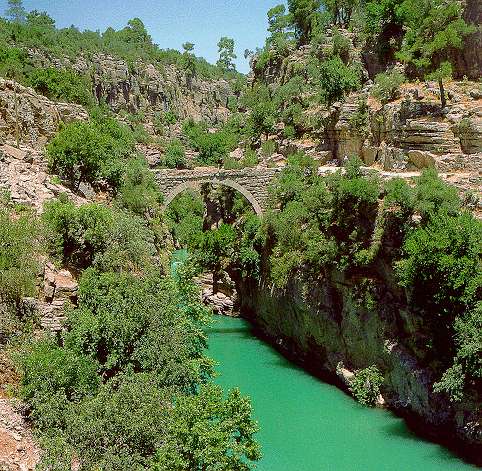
x=196 y=184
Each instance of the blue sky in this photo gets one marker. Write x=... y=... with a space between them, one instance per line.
x=170 y=22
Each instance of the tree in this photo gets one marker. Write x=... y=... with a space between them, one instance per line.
x=226 y=54
x=279 y=25
x=213 y=250
x=174 y=155
x=340 y=10
x=304 y=14
x=335 y=79
x=433 y=27
x=41 y=20
x=210 y=433
x=188 y=59
x=262 y=117
x=16 y=12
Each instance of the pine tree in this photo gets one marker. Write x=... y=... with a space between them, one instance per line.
x=16 y=12
x=226 y=54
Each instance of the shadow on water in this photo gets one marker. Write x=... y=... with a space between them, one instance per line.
x=400 y=430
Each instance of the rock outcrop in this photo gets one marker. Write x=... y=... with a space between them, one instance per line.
x=328 y=328
x=36 y=117
x=18 y=450
x=148 y=89
x=410 y=133
x=24 y=176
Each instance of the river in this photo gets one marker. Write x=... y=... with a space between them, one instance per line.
x=307 y=425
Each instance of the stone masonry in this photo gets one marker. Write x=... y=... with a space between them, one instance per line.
x=252 y=183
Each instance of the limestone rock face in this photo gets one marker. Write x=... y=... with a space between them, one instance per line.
x=59 y=288
x=409 y=134
x=143 y=87
x=24 y=175
x=324 y=327
x=38 y=118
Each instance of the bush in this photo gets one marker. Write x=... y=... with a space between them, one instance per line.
x=18 y=251
x=441 y=269
x=185 y=218
x=53 y=378
x=335 y=79
x=365 y=386
x=174 y=155
x=128 y=416
x=128 y=322
x=95 y=234
x=209 y=432
x=76 y=235
x=250 y=159
x=91 y=151
x=268 y=148
x=432 y=195
x=61 y=84
x=139 y=191
x=387 y=85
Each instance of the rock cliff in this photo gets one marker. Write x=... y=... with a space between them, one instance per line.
x=37 y=117
x=147 y=89
x=330 y=328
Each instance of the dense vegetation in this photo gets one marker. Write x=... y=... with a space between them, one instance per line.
x=130 y=366
x=327 y=69
x=350 y=223
x=354 y=224
x=127 y=384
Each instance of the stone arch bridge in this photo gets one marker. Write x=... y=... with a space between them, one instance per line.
x=252 y=183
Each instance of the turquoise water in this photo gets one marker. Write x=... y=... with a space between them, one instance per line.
x=307 y=425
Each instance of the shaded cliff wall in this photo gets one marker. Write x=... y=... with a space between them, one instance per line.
x=337 y=323
x=143 y=87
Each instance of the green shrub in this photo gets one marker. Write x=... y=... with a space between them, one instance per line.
x=61 y=84
x=53 y=378
x=170 y=118
x=360 y=119
x=250 y=159
x=268 y=148
x=365 y=386
x=341 y=45
x=185 y=217
x=91 y=151
x=174 y=155
x=128 y=322
x=335 y=79
x=432 y=195
x=452 y=383
x=95 y=234
x=387 y=85
x=18 y=251
x=76 y=235
x=209 y=432
x=139 y=191
x=441 y=269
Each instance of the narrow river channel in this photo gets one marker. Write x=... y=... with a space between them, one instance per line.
x=307 y=425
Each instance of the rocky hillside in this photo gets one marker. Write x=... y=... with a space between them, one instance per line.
x=142 y=88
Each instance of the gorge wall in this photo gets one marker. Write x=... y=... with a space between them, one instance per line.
x=330 y=328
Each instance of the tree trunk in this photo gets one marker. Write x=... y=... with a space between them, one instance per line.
x=442 y=92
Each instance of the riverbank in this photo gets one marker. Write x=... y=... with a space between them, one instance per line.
x=308 y=425
x=318 y=342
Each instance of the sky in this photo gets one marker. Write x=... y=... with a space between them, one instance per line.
x=170 y=22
